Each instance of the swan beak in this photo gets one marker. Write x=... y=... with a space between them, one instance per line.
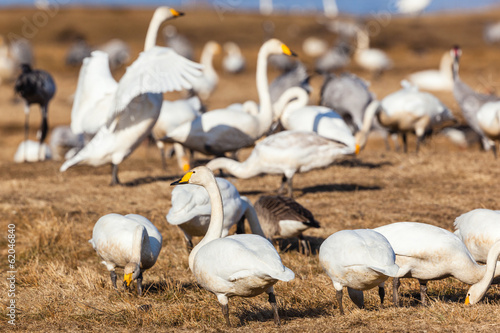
x=127 y=279
x=358 y=148
x=286 y=50
x=467 y=302
x=176 y=13
x=184 y=179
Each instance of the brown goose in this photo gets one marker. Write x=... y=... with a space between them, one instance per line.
x=284 y=217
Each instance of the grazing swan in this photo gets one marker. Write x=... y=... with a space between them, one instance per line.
x=297 y=116
x=172 y=115
x=130 y=242
x=404 y=111
x=373 y=60
x=284 y=217
x=96 y=89
x=136 y=107
x=488 y=119
x=285 y=153
x=227 y=130
x=191 y=210
x=479 y=229
x=205 y=84
x=435 y=79
x=233 y=62
x=426 y=252
x=239 y=265
x=359 y=260
x=470 y=101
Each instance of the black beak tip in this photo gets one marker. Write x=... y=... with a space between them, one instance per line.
x=175 y=183
x=181 y=13
x=294 y=54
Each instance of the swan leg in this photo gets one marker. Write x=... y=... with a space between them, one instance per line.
x=423 y=292
x=188 y=240
x=112 y=274
x=139 y=284
x=357 y=297
x=339 y=300
x=26 y=128
x=395 y=287
x=114 y=175
x=240 y=226
x=381 y=293
x=272 y=301
x=405 y=143
x=223 y=300
x=494 y=149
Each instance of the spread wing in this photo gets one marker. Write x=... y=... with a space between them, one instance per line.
x=158 y=70
x=95 y=90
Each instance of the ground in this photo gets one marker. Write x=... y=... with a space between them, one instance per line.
x=60 y=283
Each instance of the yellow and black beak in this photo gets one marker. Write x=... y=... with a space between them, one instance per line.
x=467 y=302
x=184 y=179
x=176 y=13
x=357 y=150
x=286 y=50
x=127 y=279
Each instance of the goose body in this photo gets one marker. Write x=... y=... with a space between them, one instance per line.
x=191 y=210
x=479 y=229
x=239 y=265
x=131 y=242
x=407 y=110
x=285 y=153
x=435 y=79
x=427 y=252
x=227 y=130
x=358 y=259
x=284 y=217
x=136 y=102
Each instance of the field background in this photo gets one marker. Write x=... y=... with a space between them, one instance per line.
x=62 y=286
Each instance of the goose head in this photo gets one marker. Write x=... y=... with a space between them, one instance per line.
x=131 y=272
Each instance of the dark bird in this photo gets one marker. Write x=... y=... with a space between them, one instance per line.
x=35 y=87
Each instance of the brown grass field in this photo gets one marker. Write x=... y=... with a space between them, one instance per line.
x=60 y=283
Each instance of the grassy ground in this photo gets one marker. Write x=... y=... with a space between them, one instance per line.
x=62 y=286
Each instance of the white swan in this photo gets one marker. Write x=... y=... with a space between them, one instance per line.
x=239 y=265
x=64 y=143
x=358 y=259
x=435 y=79
x=426 y=252
x=412 y=7
x=136 y=107
x=373 y=60
x=297 y=116
x=130 y=242
x=32 y=151
x=285 y=153
x=233 y=62
x=205 y=84
x=96 y=88
x=191 y=208
x=227 y=130
x=283 y=217
x=406 y=110
x=172 y=115
x=479 y=229
x=488 y=119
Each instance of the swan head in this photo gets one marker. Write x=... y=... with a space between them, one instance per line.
x=131 y=272
x=275 y=46
x=475 y=294
x=197 y=176
x=163 y=13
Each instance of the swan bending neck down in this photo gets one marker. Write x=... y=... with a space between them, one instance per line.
x=239 y=265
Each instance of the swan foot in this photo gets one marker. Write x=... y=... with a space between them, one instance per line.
x=339 y=300
x=423 y=293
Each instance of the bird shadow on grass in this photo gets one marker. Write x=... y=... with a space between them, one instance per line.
x=292 y=244
x=258 y=313
x=357 y=163
x=339 y=188
x=169 y=285
x=150 y=179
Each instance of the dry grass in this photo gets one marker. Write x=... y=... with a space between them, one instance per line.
x=62 y=286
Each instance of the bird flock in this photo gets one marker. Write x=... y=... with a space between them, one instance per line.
x=110 y=119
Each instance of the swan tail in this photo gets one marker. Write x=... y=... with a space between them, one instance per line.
x=78 y=158
x=391 y=271
x=287 y=275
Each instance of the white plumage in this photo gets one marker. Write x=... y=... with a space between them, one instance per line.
x=426 y=252
x=205 y=84
x=131 y=242
x=358 y=259
x=32 y=151
x=488 y=118
x=234 y=61
x=412 y=7
x=373 y=60
x=191 y=210
x=238 y=265
x=479 y=229
x=435 y=79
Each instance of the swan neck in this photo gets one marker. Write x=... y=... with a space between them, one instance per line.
x=216 y=217
x=253 y=219
x=265 y=114
x=370 y=112
x=237 y=169
x=479 y=289
x=290 y=100
x=207 y=60
x=137 y=244
x=152 y=33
